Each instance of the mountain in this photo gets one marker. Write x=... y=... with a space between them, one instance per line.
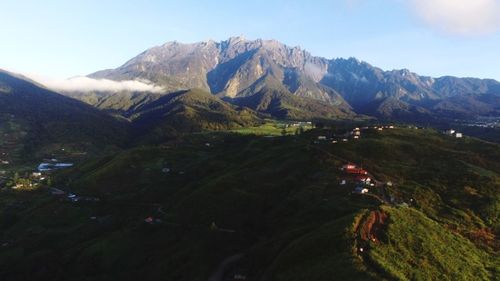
x=35 y=120
x=237 y=68
x=233 y=69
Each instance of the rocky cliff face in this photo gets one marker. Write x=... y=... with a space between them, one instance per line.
x=238 y=68
x=227 y=68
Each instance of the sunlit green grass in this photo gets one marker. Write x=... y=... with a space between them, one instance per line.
x=271 y=128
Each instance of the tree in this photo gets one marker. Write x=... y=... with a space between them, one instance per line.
x=283 y=132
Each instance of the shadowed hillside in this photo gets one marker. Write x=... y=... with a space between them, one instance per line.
x=275 y=206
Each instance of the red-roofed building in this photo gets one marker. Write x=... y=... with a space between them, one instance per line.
x=356 y=171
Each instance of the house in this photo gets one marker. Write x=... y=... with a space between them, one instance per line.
x=357 y=133
x=334 y=141
x=348 y=166
x=5 y=162
x=360 y=190
x=36 y=174
x=356 y=137
x=391 y=127
x=344 y=140
x=47 y=167
x=458 y=135
x=321 y=137
x=449 y=132
x=342 y=182
x=356 y=171
x=380 y=129
x=364 y=179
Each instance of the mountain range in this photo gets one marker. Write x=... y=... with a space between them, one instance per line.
x=237 y=83
x=268 y=76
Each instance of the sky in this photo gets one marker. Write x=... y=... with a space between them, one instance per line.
x=431 y=37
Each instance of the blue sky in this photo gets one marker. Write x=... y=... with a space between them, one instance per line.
x=430 y=37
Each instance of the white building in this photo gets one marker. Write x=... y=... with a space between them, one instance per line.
x=450 y=132
x=361 y=190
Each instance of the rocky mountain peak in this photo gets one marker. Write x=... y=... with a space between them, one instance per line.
x=239 y=67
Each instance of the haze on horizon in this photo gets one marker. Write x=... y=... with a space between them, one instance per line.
x=430 y=37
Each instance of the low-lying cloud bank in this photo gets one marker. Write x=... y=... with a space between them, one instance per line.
x=86 y=84
x=460 y=17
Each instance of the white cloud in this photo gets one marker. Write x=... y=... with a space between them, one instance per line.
x=461 y=17
x=85 y=84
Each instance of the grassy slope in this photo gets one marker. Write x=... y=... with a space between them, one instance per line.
x=280 y=196
x=418 y=248
x=452 y=180
x=270 y=128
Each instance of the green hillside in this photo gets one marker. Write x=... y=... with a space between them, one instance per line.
x=155 y=117
x=272 y=206
x=418 y=248
x=188 y=112
x=36 y=122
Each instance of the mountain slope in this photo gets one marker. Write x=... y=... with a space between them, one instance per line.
x=48 y=118
x=233 y=67
x=188 y=112
x=282 y=104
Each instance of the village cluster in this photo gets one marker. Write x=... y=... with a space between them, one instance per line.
x=41 y=173
x=358 y=176
x=354 y=134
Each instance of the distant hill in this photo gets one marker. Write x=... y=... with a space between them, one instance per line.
x=138 y=116
x=188 y=112
x=39 y=118
x=237 y=68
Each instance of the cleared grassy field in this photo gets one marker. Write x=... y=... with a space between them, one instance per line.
x=272 y=129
